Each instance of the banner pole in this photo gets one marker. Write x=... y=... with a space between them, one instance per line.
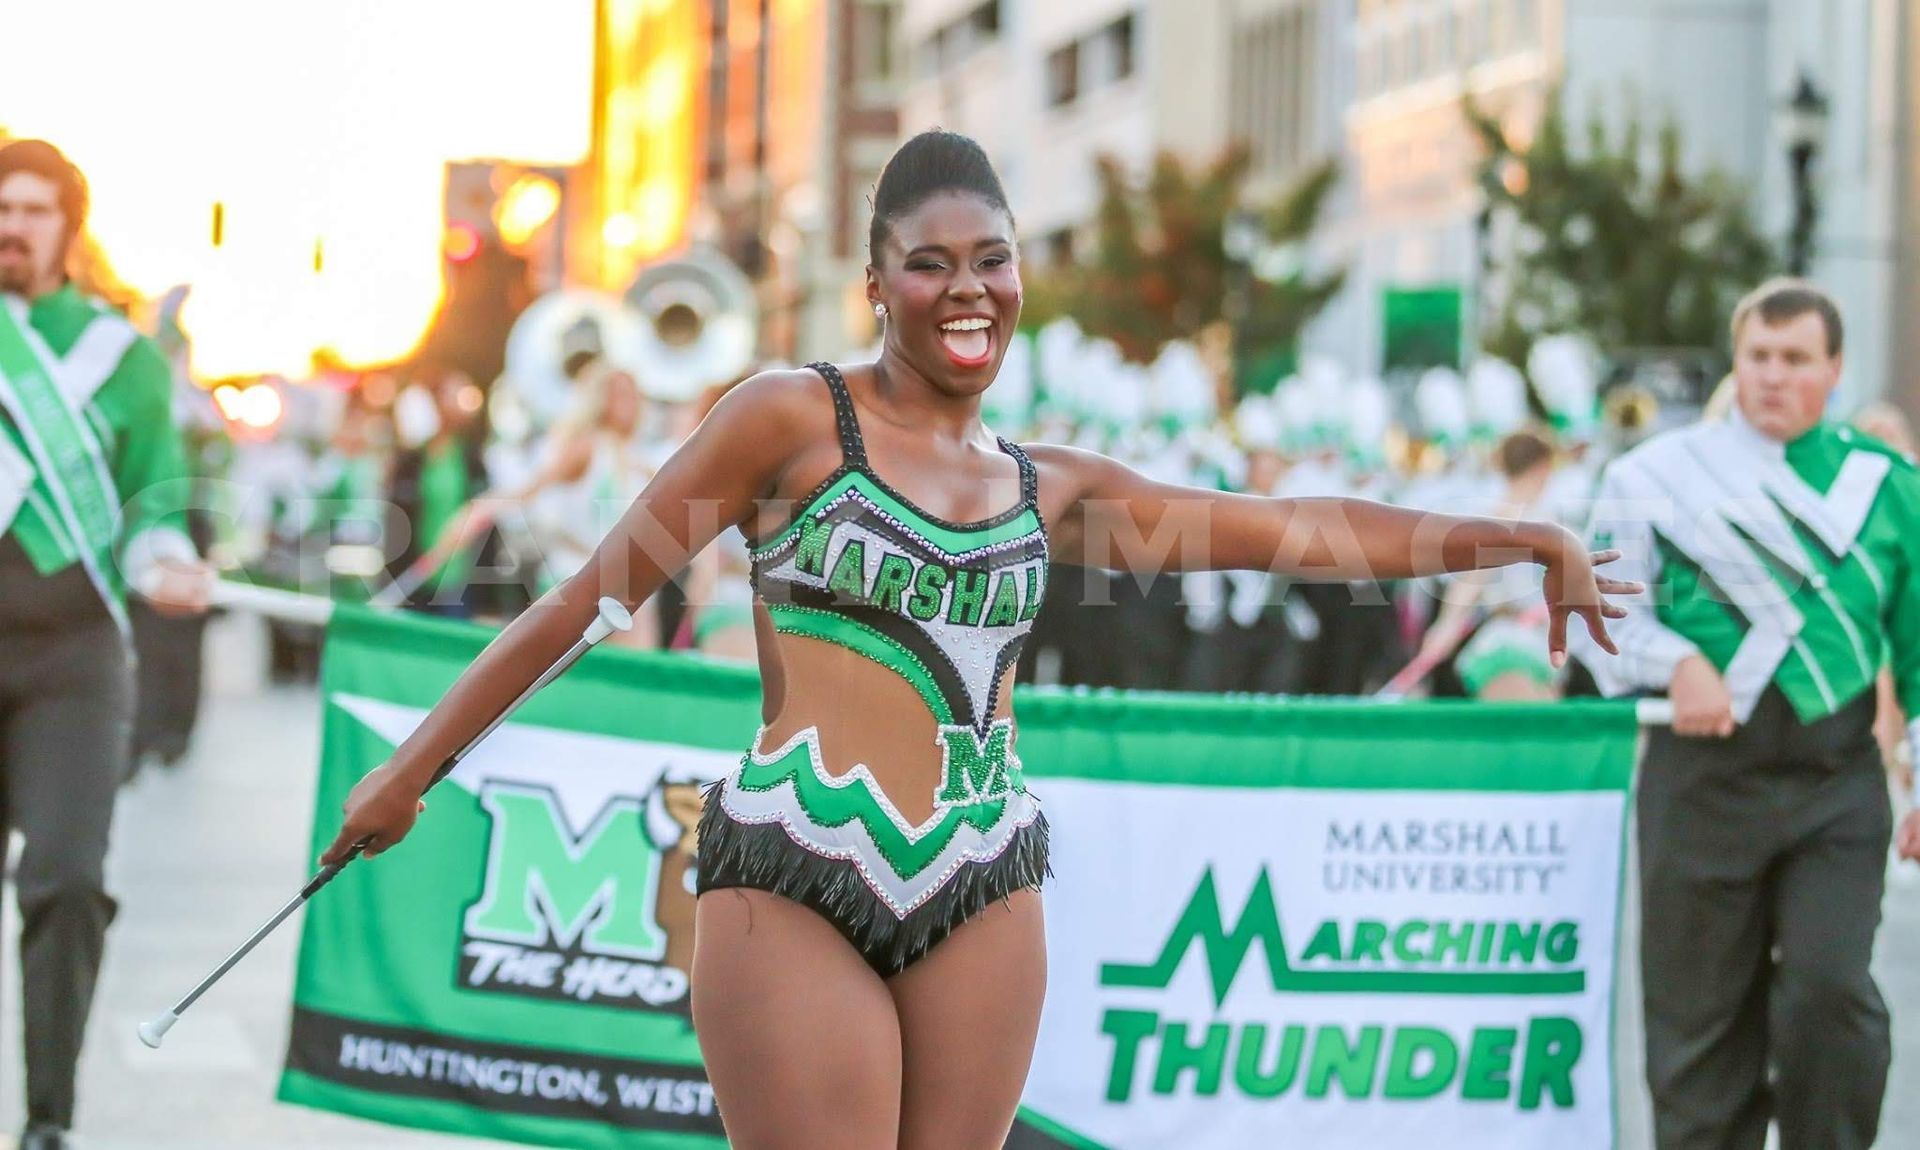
x=287 y=606
x=1654 y=712
x=613 y=616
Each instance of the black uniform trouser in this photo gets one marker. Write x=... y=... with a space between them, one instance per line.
x=168 y=682
x=66 y=714
x=1358 y=645
x=1762 y=861
x=1262 y=656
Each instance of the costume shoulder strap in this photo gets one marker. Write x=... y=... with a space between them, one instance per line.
x=1029 y=478
x=852 y=448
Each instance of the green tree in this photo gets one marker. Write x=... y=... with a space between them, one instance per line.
x=1613 y=240
x=1159 y=270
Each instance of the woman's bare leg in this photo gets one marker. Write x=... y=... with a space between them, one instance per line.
x=799 y=1034
x=969 y=1013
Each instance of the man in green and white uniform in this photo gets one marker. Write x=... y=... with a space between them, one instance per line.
x=92 y=485
x=1782 y=559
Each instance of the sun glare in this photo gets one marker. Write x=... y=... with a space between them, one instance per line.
x=314 y=126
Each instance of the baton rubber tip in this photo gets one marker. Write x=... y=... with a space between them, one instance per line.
x=613 y=617
x=153 y=1030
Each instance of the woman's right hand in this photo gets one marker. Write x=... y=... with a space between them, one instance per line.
x=1573 y=588
x=380 y=809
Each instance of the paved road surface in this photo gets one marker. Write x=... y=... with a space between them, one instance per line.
x=203 y=852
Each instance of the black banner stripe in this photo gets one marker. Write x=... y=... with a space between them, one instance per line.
x=629 y=1094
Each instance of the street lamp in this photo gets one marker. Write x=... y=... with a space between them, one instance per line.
x=1803 y=126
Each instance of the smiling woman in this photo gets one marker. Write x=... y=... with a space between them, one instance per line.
x=965 y=232
x=312 y=124
x=869 y=953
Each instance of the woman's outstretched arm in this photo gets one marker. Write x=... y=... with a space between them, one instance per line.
x=1107 y=515
x=733 y=459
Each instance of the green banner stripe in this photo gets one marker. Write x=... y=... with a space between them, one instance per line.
x=1141 y=737
x=414 y=659
x=1238 y=742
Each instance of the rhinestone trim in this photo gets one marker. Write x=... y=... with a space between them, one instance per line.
x=901 y=893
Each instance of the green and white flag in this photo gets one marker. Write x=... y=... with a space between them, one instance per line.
x=1314 y=924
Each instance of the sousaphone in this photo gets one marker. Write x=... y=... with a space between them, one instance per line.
x=699 y=328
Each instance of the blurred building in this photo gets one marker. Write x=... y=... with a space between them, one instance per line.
x=1904 y=377
x=792 y=174
x=1720 y=71
x=641 y=177
x=1411 y=218
x=1044 y=87
x=1048 y=87
x=753 y=127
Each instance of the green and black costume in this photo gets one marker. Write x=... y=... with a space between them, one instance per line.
x=946 y=606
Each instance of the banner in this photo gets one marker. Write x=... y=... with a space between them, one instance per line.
x=1326 y=924
x=1329 y=924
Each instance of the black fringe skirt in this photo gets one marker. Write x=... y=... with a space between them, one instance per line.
x=762 y=856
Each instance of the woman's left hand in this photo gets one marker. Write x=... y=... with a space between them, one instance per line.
x=1573 y=588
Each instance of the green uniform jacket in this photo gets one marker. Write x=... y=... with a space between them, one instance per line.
x=1795 y=565
x=131 y=415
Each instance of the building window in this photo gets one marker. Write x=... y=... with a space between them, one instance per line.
x=1063 y=75
x=873 y=38
x=1271 y=81
x=985 y=20
x=1119 y=36
x=1059 y=247
x=932 y=51
x=956 y=40
x=1106 y=55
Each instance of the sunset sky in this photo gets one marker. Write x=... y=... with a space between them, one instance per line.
x=310 y=121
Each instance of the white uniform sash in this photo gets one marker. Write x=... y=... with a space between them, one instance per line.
x=46 y=399
x=1713 y=487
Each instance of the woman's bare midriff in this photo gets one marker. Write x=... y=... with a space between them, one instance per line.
x=864 y=713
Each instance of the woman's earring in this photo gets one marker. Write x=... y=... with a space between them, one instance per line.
x=879 y=311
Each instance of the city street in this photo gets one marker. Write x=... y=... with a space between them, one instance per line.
x=1348 y=336
x=202 y=854
x=204 y=851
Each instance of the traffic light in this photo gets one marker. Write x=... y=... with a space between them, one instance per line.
x=462 y=242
